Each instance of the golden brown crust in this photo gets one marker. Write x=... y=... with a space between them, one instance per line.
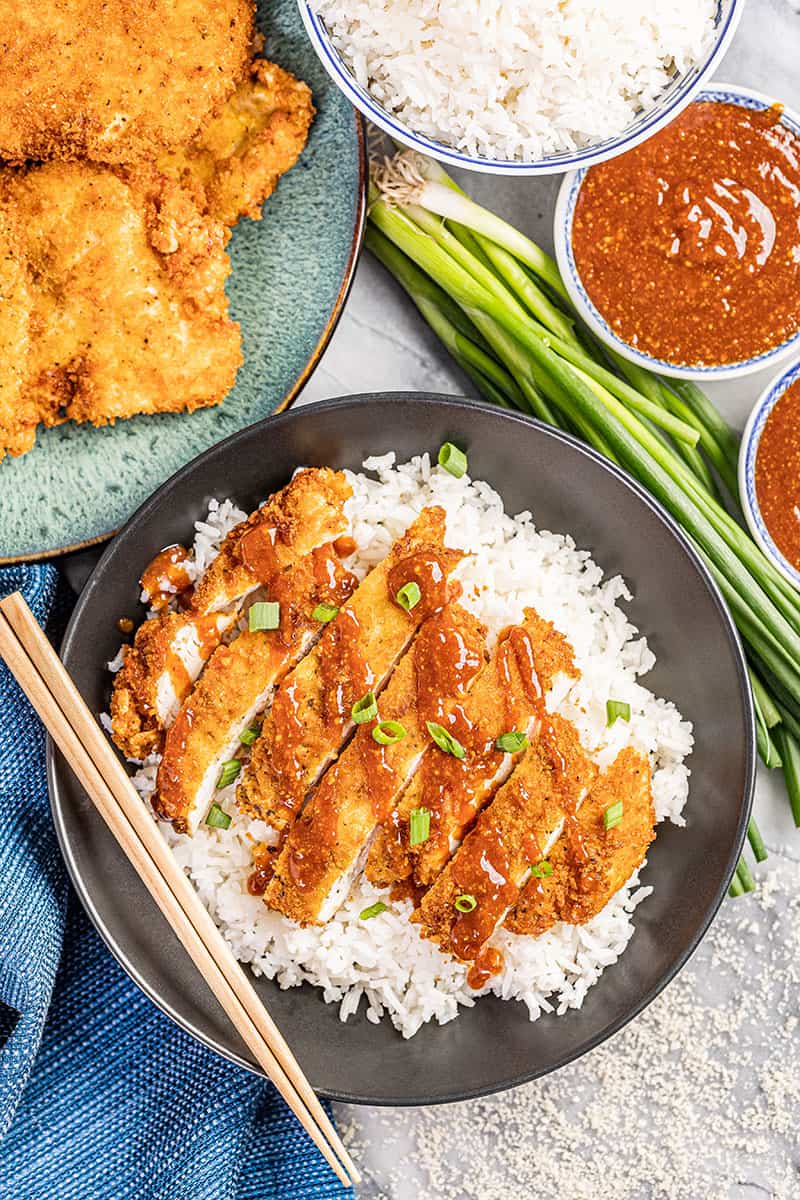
x=518 y=824
x=239 y=156
x=302 y=515
x=385 y=631
x=577 y=891
x=135 y=725
x=118 y=81
x=325 y=842
x=117 y=287
x=496 y=704
x=305 y=513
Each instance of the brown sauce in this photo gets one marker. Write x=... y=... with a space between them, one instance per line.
x=488 y=963
x=258 y=551
x=125 y=625
x=777 y=474
x=345 y=545
x=484 y=867
x=427 y=571
x=166 y=576
x=446 y=659
x=688 y=245
x=169 y=799
x=345 y=675
x=334 y=586
x=263 y=869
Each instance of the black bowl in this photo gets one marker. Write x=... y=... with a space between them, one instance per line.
x=700 y=666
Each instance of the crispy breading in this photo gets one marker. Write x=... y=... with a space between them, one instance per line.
x=170 y=650
x=322 y=851
x=493 y=862
x=118 y=81
x=456 y=790
x=310 y=718
x=580 y=887
x=113 y=285
x=238 y=157
x=238 y=683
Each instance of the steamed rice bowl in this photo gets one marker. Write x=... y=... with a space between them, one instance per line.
x=384 y=963
x=509 y=81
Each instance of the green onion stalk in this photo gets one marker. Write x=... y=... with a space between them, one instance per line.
x=497 y=302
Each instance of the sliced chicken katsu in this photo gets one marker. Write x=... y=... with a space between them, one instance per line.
x=514 y=833
x=581 y=884
x=238 y=683
x=169 y=651
x=504 y=702
x=311 y=715
x=325 y=845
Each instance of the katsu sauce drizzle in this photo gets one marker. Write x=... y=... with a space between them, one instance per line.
x=446 y=657
x=484 y=866
x=165 y=577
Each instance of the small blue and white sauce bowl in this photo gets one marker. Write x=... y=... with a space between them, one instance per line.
x=748 y=453
x=720 y=93
x=667 y=104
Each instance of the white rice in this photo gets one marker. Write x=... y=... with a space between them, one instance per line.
x=384 y=960
x=518 y=79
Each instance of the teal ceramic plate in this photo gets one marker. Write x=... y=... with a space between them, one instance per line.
x=291 y=273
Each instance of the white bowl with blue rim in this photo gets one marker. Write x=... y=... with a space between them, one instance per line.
x=748 y=452
x=669 y=103
x=721 y=93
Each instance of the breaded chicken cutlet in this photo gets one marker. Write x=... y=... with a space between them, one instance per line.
x=239 y=156
x=116 y=82
x=113 y=300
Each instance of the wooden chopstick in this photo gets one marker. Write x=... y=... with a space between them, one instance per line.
x=52 y=693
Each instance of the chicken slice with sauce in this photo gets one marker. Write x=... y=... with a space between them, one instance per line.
x=311 y=715
x=325 y=845
x=484 y=878
x=170 y=650
x=581 y=884
x=237 y=685
x=507 y=697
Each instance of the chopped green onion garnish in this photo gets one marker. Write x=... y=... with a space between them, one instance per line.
x=617 y=708
x=465 y=903
x=613 y=815
x=324 y=612
x=542 y=870
x=453 y=459
x=248 y=736
x=365 y=709
x=419 y=826
x=386 y=733
x=216 y=818
x=409 y=595
x=444 y=740
x=512 y=742
x=266 y=614
x=229 y=772
x=374 y=910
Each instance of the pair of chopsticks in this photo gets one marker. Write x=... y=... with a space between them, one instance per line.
x=44 y=680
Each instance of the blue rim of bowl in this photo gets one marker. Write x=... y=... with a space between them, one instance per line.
x=719 y=93
x=672 y=101
x=747 y=467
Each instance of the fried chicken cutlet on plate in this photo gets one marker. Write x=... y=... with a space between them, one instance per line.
x=113 y=299
x=112 y=278
x=239 y=156
x=115 y=82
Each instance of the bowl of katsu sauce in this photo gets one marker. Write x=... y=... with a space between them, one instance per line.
x=769 y=472
x=683 y=254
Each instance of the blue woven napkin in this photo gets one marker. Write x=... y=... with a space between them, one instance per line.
x=102 y=1097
